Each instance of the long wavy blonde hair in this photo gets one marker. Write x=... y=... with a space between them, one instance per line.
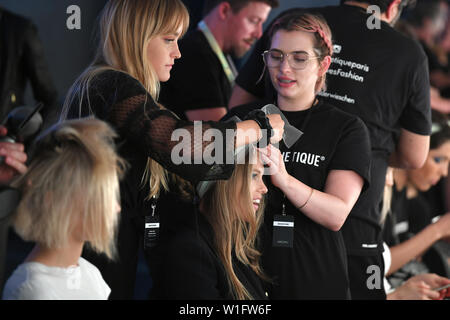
x=228 y=207
x=126 y=27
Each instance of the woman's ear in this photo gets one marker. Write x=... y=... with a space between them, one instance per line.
x=324 y=65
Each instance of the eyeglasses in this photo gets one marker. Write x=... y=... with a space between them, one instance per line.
x=297 y=60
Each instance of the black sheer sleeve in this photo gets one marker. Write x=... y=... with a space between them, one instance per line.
x=123 y=102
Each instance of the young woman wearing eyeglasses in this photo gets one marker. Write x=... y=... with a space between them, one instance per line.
x=316 y=182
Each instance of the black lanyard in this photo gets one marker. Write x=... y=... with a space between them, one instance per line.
x=289 y=166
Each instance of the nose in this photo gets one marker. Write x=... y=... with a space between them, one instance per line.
x=258 y=32
x=284 y=65
x=262 y=187
x=176 y=54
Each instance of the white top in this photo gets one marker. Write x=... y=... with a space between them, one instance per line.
x=387 y=264
x=36 y=281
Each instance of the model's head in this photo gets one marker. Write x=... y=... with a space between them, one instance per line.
x=299 y=55
x=71 y=189
x=140 y=38
x=241 y=195
x=243 y=20
x=436 y=165
x=234 y=208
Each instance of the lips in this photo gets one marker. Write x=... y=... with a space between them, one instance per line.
x=249 y=42
x=285 y=82
x=256 y=203
x=435 y=181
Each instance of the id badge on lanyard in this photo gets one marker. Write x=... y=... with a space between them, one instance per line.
x=283 y=229
x=283 y=225
x=151 y=227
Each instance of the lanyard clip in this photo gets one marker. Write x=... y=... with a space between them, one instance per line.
x=153 y=205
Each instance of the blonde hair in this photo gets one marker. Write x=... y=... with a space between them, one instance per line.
x=126 y=27
x=235 y=229
x=72 y=178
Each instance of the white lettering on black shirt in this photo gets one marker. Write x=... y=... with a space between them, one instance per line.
x=303 y=158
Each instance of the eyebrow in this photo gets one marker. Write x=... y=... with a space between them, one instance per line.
x=173 y=34
x=255 y=17
x=260 y=171
x=297 y=51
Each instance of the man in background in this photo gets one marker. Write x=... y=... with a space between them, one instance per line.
x=202 y=79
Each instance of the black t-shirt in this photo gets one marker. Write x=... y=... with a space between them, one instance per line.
x=379 y=75
x=190 y=269
x=197 y=80
x=396 y=226
x=315 y=268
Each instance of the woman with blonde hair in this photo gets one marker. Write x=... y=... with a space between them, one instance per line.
x=70 y=196
x=215 y=255
x=138 y=47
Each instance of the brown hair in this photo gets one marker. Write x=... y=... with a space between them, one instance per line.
x=316 y=24
x=236 y=5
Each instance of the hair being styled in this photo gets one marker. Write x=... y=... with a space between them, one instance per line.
x=126 y=27
x=72 y=181
x=312 y=23
x=235 y=228
x=236 y=5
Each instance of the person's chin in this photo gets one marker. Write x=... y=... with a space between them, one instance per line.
x=164 y=79
x=240 y=52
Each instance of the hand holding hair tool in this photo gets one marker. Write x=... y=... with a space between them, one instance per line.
x=22 y=123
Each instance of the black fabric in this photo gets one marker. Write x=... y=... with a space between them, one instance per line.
x=362 y=286
x=408 y=217
x=197 y=79
x=144 y=131
x=393 y=95
x=414 y=214
x=22 y=60
x=316 y=267
x=396 y=225
x=147 y=129
x=191 y=270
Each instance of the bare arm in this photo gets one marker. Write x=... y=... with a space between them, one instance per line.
x=438 y=103
x=420 y=287
x=329 y=208
x=411 y=152
x=417 y=245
